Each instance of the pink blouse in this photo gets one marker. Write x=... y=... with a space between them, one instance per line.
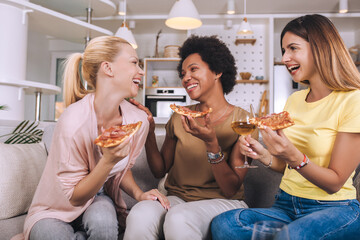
x=72 y=156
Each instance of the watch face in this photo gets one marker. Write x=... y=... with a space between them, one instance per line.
x=214 y=155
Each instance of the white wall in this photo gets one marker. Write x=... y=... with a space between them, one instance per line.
x=37 y=70
x=39 y=57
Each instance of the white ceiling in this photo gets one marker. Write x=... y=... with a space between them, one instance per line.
x=150 y=14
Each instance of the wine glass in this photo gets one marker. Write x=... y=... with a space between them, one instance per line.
x=241 y=125
x=268 y=230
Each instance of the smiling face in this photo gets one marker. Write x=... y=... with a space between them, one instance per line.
x=298 y=58
x=197 y=79
x=126 y=71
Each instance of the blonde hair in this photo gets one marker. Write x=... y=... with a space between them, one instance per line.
x=332 y=59
x=100 y=49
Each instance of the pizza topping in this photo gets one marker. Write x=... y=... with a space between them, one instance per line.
x=275 y=121
x=115 y=135
x=188 y=112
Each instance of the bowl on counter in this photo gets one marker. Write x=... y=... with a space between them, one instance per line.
x=245 y=75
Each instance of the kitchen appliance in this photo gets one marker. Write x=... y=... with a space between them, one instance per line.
x=158 y=100
x=284 y=86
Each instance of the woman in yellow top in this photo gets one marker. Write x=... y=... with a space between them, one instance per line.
x=319 y=154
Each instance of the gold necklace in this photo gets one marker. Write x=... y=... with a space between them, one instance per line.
x=218 y=117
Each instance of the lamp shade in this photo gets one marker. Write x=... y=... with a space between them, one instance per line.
x=122 y=8
x=245 y=28
x=230 y=7
x=183 y=16
x=343 y=6
x=124 y=33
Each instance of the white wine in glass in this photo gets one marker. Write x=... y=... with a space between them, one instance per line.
x=241 y=125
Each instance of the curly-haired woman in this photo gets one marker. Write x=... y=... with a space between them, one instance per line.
x=199 y=155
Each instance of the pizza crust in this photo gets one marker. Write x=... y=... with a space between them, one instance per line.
x=115 y=135
x=187 y=112
x=275 y=121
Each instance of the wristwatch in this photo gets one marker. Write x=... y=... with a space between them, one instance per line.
x=213 y=156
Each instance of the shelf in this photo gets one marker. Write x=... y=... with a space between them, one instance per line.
x=245 y=41
x=357 y=63
x=101 y=8
x=32 y=87
x=161 y=120
x=252 y=81
x=49 y=22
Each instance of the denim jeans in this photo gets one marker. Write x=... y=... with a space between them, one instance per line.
x=99 y=221
x=306 y=218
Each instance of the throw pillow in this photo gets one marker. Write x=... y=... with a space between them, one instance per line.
x=20 y=172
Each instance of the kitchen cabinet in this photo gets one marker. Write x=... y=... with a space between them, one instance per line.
x=157 y=96
x=17 y=16
x=165 y=69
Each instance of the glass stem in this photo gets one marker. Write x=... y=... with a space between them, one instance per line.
x=246 y=161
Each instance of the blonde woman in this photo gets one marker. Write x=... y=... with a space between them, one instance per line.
x=78 y=196
x=319 y=154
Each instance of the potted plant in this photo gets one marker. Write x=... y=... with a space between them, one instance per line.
x=25 y=132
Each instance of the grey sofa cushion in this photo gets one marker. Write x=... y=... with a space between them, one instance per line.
x=12 y=226
x=261 y=185
x=142 y=174
x=47 y=136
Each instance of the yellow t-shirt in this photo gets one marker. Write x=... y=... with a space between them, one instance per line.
x=314 y=133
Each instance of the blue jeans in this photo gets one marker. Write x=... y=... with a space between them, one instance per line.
x=306 y=219
x=99 y=221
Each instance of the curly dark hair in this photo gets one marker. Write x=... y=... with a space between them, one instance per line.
x=216 y=54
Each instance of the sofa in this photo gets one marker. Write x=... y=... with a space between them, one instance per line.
x=21 y=167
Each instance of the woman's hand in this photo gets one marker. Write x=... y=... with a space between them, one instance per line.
x=113 y=155
x=147 y=111
x=255 y=150
x=155 y=195
x=252 y=148
x=205 y=133
x=279 y=145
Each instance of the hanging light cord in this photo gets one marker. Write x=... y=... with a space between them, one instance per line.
x=244 y=8
x=125 y=12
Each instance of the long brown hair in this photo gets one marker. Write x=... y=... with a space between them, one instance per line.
x=99 y=50
x=332 y=59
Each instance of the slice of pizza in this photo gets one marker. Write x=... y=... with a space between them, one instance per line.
x=275 y=121
x=115 y=135
x=187 y=112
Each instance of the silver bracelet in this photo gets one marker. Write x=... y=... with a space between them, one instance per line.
x=270 y=163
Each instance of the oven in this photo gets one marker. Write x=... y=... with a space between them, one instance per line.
x=158 y=100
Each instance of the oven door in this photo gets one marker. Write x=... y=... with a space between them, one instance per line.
x=159 y=105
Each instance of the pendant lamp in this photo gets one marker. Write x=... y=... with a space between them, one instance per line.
x=122 y=8
x=183 y=16
x=245 y=27
x=231 y=7
x=343 y=6
x=125 y=33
